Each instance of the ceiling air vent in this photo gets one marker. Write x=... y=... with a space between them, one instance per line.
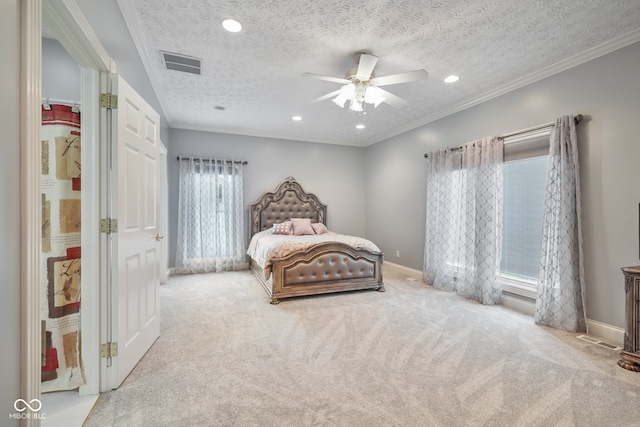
x=186 y=64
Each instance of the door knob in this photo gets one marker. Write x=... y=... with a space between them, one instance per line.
x=159 y=237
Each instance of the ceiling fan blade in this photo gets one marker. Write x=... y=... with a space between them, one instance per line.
x=394 y=79
x=327 y=78
x=327 y=96
x=391 y=99
x=365 y=66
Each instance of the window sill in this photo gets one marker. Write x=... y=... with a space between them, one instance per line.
x=523 y=288
x=512 y=284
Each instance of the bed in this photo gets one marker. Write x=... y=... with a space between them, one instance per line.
x=315 y=265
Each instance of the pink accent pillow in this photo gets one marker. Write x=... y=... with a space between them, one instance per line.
x=282 y=228
x=302 y=226
x=319 y=228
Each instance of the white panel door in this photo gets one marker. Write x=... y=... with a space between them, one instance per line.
x=136 y=320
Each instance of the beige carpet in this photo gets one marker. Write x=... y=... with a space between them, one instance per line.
x=412 y=356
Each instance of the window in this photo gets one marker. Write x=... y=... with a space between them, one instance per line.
x=524 y=194
x=214 y=214
x=210 y=216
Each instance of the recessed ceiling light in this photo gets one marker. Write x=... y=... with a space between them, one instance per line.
x=296 y=118
x=232 y=25
x=452 y=78
x=219 y=108
x=359 y=126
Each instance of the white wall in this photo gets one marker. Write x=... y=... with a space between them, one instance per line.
x=61 y=77
x=607 y=91
x=10 y=208
x=333 y=172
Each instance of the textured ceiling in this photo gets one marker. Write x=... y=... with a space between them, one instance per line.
x=493 y=45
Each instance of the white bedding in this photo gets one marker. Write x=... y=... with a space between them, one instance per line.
x=265 y=245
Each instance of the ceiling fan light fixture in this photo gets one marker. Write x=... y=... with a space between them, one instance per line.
x=360 y=89
x=339 y=100
x=361 y=86
x=372 y=96
x=347 y=93
x=355 y=106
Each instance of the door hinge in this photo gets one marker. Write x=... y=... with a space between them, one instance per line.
x=108 y=225
x=109 y=101
x=109 y=349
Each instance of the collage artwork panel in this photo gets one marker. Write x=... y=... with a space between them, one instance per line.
x=61 y=253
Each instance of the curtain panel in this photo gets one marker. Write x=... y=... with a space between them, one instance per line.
x=61 y=260
x=561 y=290
x=464 y=220
x=210 y=216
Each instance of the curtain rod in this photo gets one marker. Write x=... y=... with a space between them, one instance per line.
x=244 y=162
x=60 y=101
x=578 y=118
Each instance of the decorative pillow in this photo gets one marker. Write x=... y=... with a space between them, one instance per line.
x=319 y=228
x=283 y=228
x=302 y=226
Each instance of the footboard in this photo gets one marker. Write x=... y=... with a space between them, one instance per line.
x=328 y=267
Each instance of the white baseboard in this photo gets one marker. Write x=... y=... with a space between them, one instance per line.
x=519 y=304
x=607 y=333
x=610 y=334
x=411 y=272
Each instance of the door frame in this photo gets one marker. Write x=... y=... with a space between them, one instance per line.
x=66 y=21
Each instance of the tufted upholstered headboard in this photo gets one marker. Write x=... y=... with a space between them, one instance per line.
x=288 y=200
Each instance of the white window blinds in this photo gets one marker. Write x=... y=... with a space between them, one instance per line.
x=524 y=194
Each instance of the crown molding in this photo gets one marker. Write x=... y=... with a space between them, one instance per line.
x=571 y=62
x=133 y=24
x=260 y=134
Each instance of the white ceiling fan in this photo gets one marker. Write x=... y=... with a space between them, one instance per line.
x=360 y=86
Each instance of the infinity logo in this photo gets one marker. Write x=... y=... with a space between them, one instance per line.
x=25 y=405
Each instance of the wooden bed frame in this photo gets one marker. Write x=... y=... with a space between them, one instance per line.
x=325 y=268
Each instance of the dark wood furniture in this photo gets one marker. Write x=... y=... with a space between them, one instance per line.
x=324 y=268
x=630 y=356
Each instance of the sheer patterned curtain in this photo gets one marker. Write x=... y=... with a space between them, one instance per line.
x=210 y=216
x=464 y=220
x=560 y=303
